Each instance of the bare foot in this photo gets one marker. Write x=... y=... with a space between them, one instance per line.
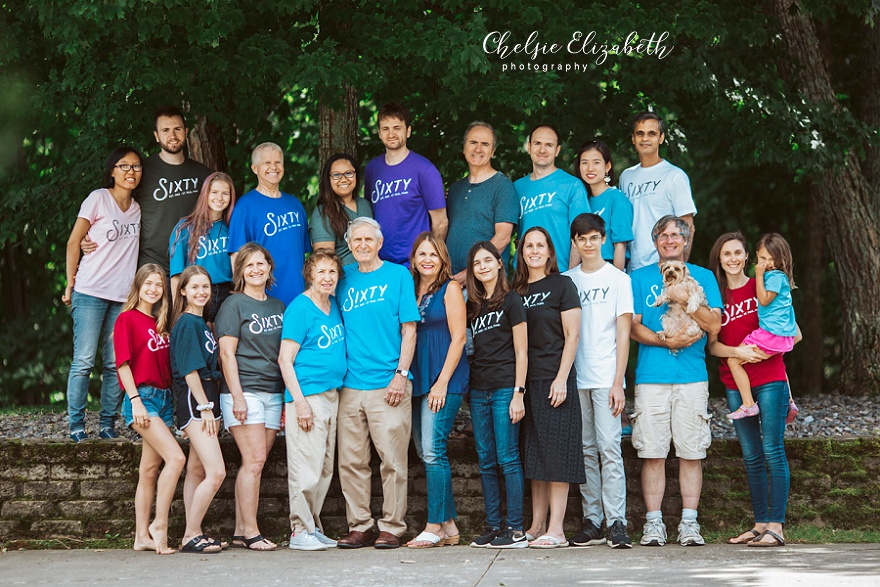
x=535 y=533
x=160 y=539
x=144 y=544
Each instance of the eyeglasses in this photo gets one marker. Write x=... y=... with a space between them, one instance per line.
x=669 y=237
x=347 y=175
x=125 y=167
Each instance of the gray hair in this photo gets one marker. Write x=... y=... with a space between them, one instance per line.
x=682 y=226
x=478 y=123
x=362 y=221
x=255 y=154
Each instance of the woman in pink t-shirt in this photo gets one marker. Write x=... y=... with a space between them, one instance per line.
x=761 y=437
x=99 y=283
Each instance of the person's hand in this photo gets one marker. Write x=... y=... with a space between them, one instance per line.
x=303 y=414
x=517 y=409
x=681 y=340
x=437 y=396
x=87 y=245
x=394 y=391
x=750 y=354
x=209 y=423
x=678 y=293
x=616 y=400
x=139 y=414
x=239 y=408
x=67 y=296
x=558 y=392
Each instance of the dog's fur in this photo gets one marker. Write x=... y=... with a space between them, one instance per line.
x=677 y=317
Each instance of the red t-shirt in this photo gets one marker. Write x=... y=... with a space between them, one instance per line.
x=136 y=341
x=740 y=317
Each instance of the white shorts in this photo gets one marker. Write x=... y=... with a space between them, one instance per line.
x=672 y=412
x=262 y=408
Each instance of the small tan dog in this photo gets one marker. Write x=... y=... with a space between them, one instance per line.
x=678 y=316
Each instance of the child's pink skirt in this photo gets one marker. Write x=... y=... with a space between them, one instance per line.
x=769 y=343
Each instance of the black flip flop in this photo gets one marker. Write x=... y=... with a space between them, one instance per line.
x=258 y=538
x=778 y=541
x=733 y=539
x=200 y=545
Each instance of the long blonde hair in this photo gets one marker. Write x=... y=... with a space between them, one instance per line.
x=160 y=309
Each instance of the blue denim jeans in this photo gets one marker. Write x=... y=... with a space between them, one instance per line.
x=93 y=319
x=497 y=441
x=762 y=440
x=430 y=435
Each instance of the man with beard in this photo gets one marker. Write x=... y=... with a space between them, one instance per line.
x=168 y=190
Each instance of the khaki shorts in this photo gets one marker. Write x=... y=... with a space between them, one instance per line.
x=672 y=412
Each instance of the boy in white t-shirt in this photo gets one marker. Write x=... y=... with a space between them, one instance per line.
x=603 y=350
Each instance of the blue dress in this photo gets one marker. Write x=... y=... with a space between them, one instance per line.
x=432 y=344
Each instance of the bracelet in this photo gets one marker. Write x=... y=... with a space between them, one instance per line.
x=204 y=407
x=134 y=397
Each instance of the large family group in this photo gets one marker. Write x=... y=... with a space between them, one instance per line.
x=368 y=324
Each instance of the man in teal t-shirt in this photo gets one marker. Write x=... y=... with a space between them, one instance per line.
x=378 y=305
x=550 y=197
x=672 y=387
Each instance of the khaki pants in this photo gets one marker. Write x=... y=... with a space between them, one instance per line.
x=310 y=460
x=365 y=415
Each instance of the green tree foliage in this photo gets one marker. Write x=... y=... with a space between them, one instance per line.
x=81 y=76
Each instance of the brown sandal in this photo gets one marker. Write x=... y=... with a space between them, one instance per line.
x=736 y=540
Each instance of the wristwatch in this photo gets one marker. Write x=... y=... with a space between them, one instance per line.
x=204 y=407
x=519 y=389
x=403 y=372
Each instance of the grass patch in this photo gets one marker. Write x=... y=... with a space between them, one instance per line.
x=57 y=408
x=110 y=541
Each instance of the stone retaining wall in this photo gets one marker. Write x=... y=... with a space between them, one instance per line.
x=86 y=490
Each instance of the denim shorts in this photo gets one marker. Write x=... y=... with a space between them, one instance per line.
x=157 y=402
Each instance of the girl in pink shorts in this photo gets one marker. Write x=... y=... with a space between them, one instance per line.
x=777 y=327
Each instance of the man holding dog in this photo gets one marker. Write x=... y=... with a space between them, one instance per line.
x=672 y=384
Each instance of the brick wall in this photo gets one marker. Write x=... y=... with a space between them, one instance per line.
x=52 y=489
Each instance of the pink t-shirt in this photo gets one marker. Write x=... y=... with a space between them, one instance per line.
x=108 y=272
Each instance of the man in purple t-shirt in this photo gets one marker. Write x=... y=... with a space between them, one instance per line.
x=405 y=188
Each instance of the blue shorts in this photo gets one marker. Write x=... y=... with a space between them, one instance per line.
x=157 y=402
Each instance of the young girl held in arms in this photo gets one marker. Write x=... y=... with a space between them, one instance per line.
x=776 y=321
x=140 y=339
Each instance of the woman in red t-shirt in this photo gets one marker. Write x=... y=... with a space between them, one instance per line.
x=140 y=338
x=762 y=437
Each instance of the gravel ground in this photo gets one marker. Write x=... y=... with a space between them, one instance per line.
x=831 y=415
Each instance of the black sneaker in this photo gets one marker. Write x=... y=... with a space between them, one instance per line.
x=483 y=540
x=589 y=535
x=108 y=433
x=617 y=536
x=510 y=538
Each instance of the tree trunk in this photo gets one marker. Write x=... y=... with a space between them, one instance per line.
x=206 y=145
x=869 y=105
x=811 y=373
x=850 y=219
x=338 y=131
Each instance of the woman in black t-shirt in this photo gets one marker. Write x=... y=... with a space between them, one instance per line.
x=498 y=375
x=552 y=427
x=195 y=372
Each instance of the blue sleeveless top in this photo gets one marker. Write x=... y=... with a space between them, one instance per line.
x=432 y=345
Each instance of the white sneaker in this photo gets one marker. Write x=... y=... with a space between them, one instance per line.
x=654 y=533
x=305 y=541
x=328 y=542
x=689 y=534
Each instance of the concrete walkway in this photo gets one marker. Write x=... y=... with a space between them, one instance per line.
x=716 y=565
